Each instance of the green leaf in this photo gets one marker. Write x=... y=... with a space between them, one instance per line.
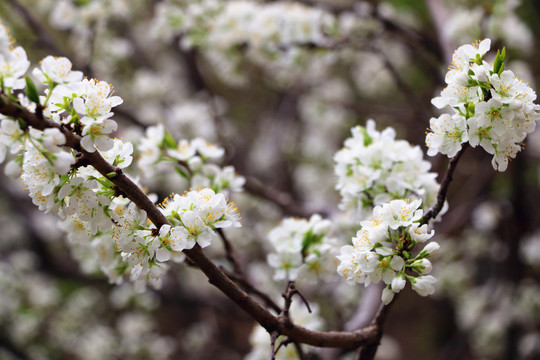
x=501 y=69
x=310 y=239
x=181 y=172
x=498 y=64
x=367 y=139
x=168 y=140
x=31 y=90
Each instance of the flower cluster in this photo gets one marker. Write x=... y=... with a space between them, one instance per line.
x=13 y=62
x=194 y=215
x=81 y=103
x=382 y=250
x=240 y=22
x=134 y=247
x=194 y=160
x=57 y=183
x=106 y=231
x=490 y=106
x=271 y=35
x=373 y=168
x=302 y=249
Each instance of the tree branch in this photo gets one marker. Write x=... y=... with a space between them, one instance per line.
x=368 y=351
x=215 y=275
x=443 y=190
x=249 y=288
x=283 y=200
x=231 y=254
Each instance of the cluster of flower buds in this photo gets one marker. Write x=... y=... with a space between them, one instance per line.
x=383 y=249
x=490 y=106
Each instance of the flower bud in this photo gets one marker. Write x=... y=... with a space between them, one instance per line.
x=398 y=284
x=422 y=266
x=423 y=285
x=432 y=248
x=387 y=296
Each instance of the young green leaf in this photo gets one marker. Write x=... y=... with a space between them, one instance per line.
x=31 y=90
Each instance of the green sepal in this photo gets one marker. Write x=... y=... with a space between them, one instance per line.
x=422 y=255
x=31 y=90
x=117 y=160
x=175 y=215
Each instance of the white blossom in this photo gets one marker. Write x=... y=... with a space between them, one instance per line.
x=497 y=119
x=381 y=248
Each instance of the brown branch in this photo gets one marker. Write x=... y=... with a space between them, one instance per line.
x=231 y=254
x=215 y=275
x=368 y=351
x=418 y=107
x=287 y=295
x=443 y=190
x=292 y=290
x=239 y=276
x=273 y=350
x=283 y=200
x=285 y=316
x=249 y=288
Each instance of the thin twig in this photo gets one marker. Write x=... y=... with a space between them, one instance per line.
x=273 y=337
x=287 y=295
x=230 y=253
x=418 y=107
x=291 y=291
x=280 y=198
x=285 y=314
x=248 y=287
x=443 y=190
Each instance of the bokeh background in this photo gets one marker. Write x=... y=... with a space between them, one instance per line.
x=279 y=84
